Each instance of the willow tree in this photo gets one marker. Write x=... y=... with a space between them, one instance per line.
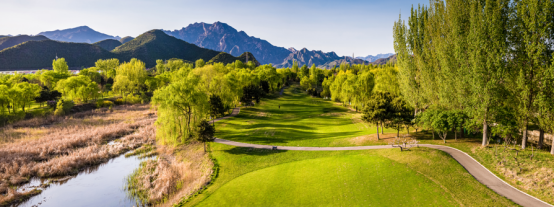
x=130 y=76
x=176 y=104
x=107 y=67
x=60 y=66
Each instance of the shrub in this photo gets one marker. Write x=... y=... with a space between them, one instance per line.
x=119 y=101
x=51 y=104
x=133 y=99
x=63 y=107
x=104 y=103
x=11 y=118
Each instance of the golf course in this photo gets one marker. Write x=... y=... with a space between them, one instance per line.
x=381 y=177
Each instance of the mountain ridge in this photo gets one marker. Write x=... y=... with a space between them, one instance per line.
x=10 y=41
x=148 y=47
x=222 y=37
x=372 y=58
x=81 y=34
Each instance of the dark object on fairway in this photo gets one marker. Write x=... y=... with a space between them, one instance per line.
x=279 y=106
x=274 y=148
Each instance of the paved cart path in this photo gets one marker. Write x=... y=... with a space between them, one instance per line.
x=475 y=168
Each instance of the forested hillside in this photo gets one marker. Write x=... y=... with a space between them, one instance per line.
x=226 y=58
x=39 y=54
x=150 y=46
x=126 y=39
x=6 y=42
x=155 y=44
x=108 y=44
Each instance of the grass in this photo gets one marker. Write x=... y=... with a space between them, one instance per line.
x=306 y=121
x=300 y=121
x=388 y=177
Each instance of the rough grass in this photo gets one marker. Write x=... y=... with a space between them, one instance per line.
x=300 y=121
x=67 y=145
x=176 y=174
x=396 y=177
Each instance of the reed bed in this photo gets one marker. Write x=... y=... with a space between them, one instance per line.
x=69 y=144
x=177 y=173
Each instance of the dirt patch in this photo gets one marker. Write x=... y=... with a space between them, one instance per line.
x=331 y=114
x=372 y=138
x=263 y=114
x=289 y=116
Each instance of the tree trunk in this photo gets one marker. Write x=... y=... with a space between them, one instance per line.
x=204 y=146
x=377 y=130
x=461 y=131
x=485 y=131
x=408 y=129
x=552 y=148
x=524 y=139
x=398 y=131
x=188 y=122
x=541 y=138
x=433 y=134
x=382 y=131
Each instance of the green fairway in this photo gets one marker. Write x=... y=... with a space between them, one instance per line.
x=332 y=181
x=300 y=121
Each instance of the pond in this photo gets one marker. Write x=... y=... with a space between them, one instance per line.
x=101 y=185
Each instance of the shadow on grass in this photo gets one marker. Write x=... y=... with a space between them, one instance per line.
x=252 y=151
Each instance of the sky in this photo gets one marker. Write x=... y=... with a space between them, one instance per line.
x=359 y=27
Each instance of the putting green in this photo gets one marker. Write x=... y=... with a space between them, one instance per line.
x=351 y=180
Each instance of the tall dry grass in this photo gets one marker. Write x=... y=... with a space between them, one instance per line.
x=69 y=144
x=177 y=173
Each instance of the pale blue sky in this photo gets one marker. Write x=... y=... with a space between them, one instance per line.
x=346 y=27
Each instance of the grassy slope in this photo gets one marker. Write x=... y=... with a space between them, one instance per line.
x=301 y=121
x=442 y=178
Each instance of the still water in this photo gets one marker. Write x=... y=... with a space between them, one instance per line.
x=99 y=186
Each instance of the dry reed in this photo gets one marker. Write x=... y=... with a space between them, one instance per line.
x=176 y=174
x=70 y=144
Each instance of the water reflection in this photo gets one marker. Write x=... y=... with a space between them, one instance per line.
x=102 y=185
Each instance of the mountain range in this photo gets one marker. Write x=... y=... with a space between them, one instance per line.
x=222 y=37
x=82 y=34
x=148 y=47
x=372 y=58
x=216 y=37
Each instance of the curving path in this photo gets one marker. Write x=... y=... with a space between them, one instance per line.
x=475 y=168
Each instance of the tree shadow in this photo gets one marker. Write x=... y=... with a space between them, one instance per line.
x=252 y=151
